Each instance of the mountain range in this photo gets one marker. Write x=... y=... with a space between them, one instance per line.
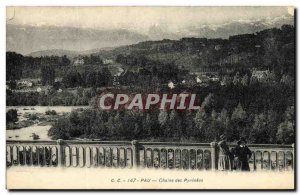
x=71 y=41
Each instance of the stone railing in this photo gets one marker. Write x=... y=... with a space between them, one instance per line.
x=171 y=155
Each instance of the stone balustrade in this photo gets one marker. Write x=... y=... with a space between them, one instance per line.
x=127 y=154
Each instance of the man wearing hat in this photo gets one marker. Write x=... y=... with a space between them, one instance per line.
x=242 y=153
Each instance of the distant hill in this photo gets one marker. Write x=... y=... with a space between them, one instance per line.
x=27 y=39
x=54 y=52
x=245 y=50
x=69 y=53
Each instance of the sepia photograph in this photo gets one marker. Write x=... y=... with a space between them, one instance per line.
x=150 y=97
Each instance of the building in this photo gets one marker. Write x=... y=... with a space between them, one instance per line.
x=260 y=74
x=107 y=61
x=25 y=83
x=78 y=62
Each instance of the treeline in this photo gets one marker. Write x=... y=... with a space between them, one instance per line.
x=200 y=126
x=268 y=49
x=92 y=59
x=255 y=96
x=263 y=112
x=16 y=64
x=73 y=78
x=19 y=66
x=51 y=97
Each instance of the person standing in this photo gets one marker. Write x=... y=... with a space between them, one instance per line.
x=242 y=155
x=224 y=162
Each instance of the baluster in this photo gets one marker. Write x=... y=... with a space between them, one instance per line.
x=199 y=159
x=67 y=156
x=273 y=161
x=149 y=159
x=193 y=156
x=28 y=157
x=178 y=158
x=34 y=155
x=130 y=158
x=170 y=158
x=254 y=160
x=81 y=157
x=54 y=160
x=142 y=157
x=266 y=160
x=21 y=156
x=60 y=154
x=289 y=160
x=115 y=157
x=156 y=159
x=163 y=158
x=44 y=155
x=185 y=159
x=122 y=157
x=213 y=155
x=95 y=156
x=41 y=156
x=125 y=158
x=8 y=156
x=281 y=161
x=48 y=156
x=108 y=157
x=259 y=164
x=102 y=157
x=135 y=153
x=74 y=159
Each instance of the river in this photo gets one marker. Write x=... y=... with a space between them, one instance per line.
x=41 y=130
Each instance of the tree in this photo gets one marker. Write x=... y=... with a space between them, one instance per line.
x=245 y=80
x=147 y=125
x=11 y=116
x=236 y=79
x=271 y=77
x=239 y=113
x=104 y=77
x=286 y=129
x=115 y=125
x=259 y=130
x=175 y=125
x=60 y=130
x=163 y=118
x=224 y=121
x=226 y=80
x=188 y=125
x=238 y=122
x=12 y=84
x=14 y=65
x=47 y=75
x=208 y=103
x=65 y=61
x=253 y=80
x=272 y=125
x=90 y=79
x=287 y=80
x=285 y=133
x=212 y=132
x=200 y=120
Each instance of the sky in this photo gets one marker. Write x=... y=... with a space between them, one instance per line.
x=139 y=19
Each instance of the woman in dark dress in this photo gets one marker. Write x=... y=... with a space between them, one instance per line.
x=242 y=154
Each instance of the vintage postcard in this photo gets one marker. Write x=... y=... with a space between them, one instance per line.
x=150 y=98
